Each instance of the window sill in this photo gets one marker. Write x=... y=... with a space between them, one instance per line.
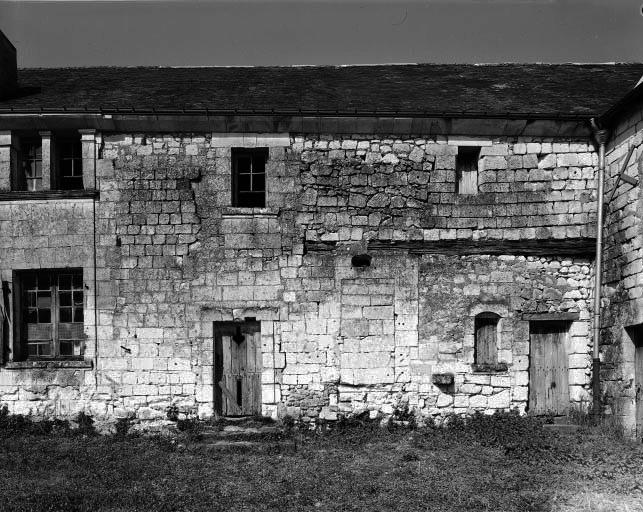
x=490 y=368
x=25 y=195
x=238 y=211
x=54 y=364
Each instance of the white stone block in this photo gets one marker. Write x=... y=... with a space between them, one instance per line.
x=478 y=402
x=520 y=393
x=521 y=378
x=578 y=394
x=500 y=400
x=458 y=140
x=406 y=338
x=444 y=400
x=578 y=377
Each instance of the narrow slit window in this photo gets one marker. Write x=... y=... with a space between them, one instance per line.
x=249 y=177
x=466 y=169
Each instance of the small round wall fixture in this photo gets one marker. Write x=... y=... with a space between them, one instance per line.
x=361 y=260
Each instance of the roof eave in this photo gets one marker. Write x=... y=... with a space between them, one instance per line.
x=555 y=116
x=611 y=115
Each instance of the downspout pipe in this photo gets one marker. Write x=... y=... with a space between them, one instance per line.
x=601 y=135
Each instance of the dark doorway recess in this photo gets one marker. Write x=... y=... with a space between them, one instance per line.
x=237 y=368
x=636 y=335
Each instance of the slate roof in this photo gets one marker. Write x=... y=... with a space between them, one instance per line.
x=502 y=90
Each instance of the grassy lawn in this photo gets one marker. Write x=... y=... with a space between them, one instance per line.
x=360 y=469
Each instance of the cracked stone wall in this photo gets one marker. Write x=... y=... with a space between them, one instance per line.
x=173 y=257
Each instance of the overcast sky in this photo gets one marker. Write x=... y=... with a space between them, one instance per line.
x=277 y=32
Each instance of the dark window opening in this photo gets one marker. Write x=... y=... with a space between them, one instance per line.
x=249 y=177
x=30 y=165
x=466 y=170
x=70 y=164
x=486 y=339
x=51 y=311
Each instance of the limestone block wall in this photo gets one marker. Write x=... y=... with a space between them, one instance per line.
x=173 y=257
x=454 y=289
x=404 y=189
x=408 y=317
x=44 y=235
x=623 y=285
x=183 y=259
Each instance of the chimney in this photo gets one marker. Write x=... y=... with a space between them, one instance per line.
x=8 y=67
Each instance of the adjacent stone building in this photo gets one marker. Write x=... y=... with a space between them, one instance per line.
x=311 y=242
x=622 y=335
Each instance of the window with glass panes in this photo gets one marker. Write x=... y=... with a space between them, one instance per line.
x=70 y=164
x=53 y=313
x=31 y=164
x=249 y=177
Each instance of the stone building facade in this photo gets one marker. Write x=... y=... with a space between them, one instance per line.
x=307 y=263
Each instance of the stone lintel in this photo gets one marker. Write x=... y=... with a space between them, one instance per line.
x=250 y=140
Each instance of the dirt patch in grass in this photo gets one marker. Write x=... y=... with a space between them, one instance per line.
x=354 y=470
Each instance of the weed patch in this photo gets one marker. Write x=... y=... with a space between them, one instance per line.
x=465 y=464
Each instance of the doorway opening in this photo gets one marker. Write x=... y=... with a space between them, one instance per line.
x=237 y=368
x=635 y=362
x=548 y=367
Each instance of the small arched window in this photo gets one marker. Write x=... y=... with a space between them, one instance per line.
x=486 y=338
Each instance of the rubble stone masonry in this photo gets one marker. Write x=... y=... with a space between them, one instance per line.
x=173 y=257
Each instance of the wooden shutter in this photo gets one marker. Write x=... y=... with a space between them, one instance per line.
x=467 y=169
x=486 y=336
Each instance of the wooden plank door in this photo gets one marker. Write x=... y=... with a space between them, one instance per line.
x=237 y=368
x=638 y=376
x=548 y=368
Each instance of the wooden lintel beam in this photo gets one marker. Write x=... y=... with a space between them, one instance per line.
x=562 y=316
x=579 y=247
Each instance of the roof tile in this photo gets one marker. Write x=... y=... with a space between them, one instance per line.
x=499 y=89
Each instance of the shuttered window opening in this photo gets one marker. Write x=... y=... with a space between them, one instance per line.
x=52 y=314
x=486 y=338
x=466 y=170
